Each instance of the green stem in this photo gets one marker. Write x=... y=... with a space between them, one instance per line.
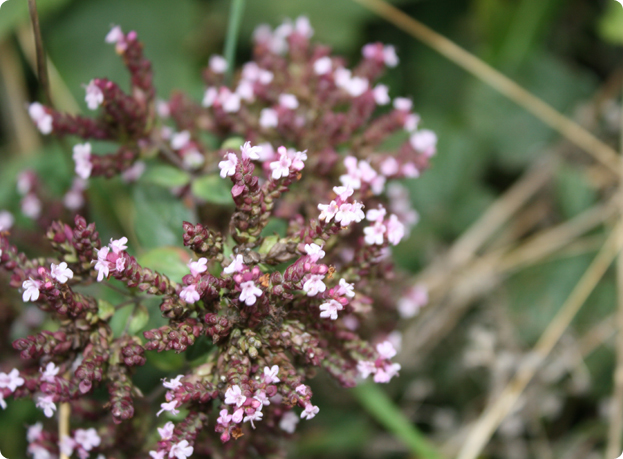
x=385 y=412
x=233 y=29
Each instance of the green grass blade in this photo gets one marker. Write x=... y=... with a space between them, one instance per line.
x=231 y=40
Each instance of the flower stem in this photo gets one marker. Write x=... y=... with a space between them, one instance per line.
x=233 y=29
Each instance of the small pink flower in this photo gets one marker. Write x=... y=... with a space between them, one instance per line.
x=233 y=396
x=314 y=285
x=298 y=160
x=349 y=213
x=330 y=309
x=49 y=373
x=281 y=167
x=94 y=96
x=11 y=381
x=46 y=403
x=376 y=215
x=209 y=97
x=411 y=303
x=168 y=406
x=31 y=206
x=174 y=383
x=323 y=65
x=31 y=292
x=365 y=368
x=411 y=122
x=395 y=230
x=314 y=251
x=224 y=418
x=257 y=416
x=67 y=445
x=386 y=350
x=288 y=422
x=310 y=411
x=217 y=64
x=118 y=245
x=288 y=101
x=181 y=450
x=82 y=158
x=270 y=374
x=328 y=211
x=190 y=294
x=198 y=267
x=251 y=152
x=301 y=389
x=180 y=139
x=403 y=104
x=166 y=431
x=385 y=374
x=249 y=293
x=237 y=416
x=228 y=165
x=6 y=220
x=381 y=94
x=268 y=118
x=346 y=289
x=389 y=56
x=87 y=439
x=40 y=117
x=34 y=432
x=375 y=234
x=157 y=454
x=236 y=266
x=424 y=141
x=61 y=272
x=343 y=192
x=117 y=37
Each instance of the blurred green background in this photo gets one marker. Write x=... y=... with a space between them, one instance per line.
x=566 y=52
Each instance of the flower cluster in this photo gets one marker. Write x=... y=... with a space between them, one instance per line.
x=267 y=306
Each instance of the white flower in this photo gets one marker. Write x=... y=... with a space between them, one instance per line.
x=157 y=454
x=236 y=266
x=346 y=289
x=40 y=117
x=181 y=450
x=174 y=383
x=298 y=160
x=87 y=438
x=249 y=293
x=49 y=373
x=366 y=368
x=289 y=421
x=281 y=167
x=101 y=265
x=31 y=206
x=66 y=445
x=381 y=94
x=424 y=141
x=323 y=65
x=389 y=56
x=230 y=101
x=118 y=245
x=6 y=220
x=411 y=303
x=270 y=374
x=386 y=350
x=374 y=234
x=31 y=292
x=82 y=158
x=180 y=139
x=268 y=118
x=190 y=294
x=330 y=309
x=288 y=101
x=328 y=211
x=403 y=104
x=198 y=267
x=251 y=152
x=228 y=165
x=94 y=95
x=376 y=215
x=310 y=411
x=233 y=396
x=46 y=403
x=218 y=64
x=209 y=97
x=61 y=272
x=314 y=285
x=343 y=192
x=349 y=213
x=395 y=230
x=385 y=374
x=34 y=432
x=224 y=418
x=11 y=381
x=314 y=251
x=257 y=416
x=170 y=407
x=166 y=432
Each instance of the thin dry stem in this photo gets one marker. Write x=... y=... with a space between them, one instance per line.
x=64 y=412
x=497 y=411
x=507 y=87
x=42 y=70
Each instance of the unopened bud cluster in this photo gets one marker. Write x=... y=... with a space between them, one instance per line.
x=273 y=307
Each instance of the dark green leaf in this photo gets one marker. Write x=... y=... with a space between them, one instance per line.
x=213 y=188
x=166 y=176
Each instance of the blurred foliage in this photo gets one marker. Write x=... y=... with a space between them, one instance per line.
x=564 y=52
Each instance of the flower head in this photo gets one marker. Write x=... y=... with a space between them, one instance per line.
x=270 y=374
x=249 y=293
x=61 y=272
x=11 y=381
x=31 y=292
x=94 y=96
x=49 y=373
x=87 y=438
x=181 y=450
x=82 y=158
x=46 y=403
x=314 y=285
x=228 y=165
x=198 y=267
x=190 y=294
x=330 y=309
x=40 y=117
x=310 y=411
x=233 y=396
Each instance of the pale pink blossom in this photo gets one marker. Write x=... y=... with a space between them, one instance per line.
x=281 y=167
x=385 y=374
x=209 y=97
x=82 y=158
x=268 y=118
x=323 y=65
x=353 y=85
x=365 y=368
x=174 y=383
x=49 y=373
x=118 y=245
x=403 y=104
x=94 y=96
x=166 y=431
x=31 y=292
x=310 y=411
x=180 y=139
x=411 y=303
x=224 y=418
x=301 y=389
x=190 y=294
x=229 y=100
x=376 y=215
x=303 y=27
x=256 y=416
x=410 y=170
x=228 y=165
x=192 y=158
x=40 y=117
x=46 y=403
x=237 y=416
x=424 y=141
x=346 y=289
x=61 y=272
x=34 y=432
x=389 y=166
x=233 y=396
x=66 y=445
x=168 y=406
x=31 y=206
x=349 y=213
x=217 y=64
x=314 y=285
x=101 y=265
x=261 y=397
x=314 y=251
x=381 y=94
x=251 y=152
x=236 y=266
x=116 y=37
x=3 y=404
x=328 y=211
x=288 y=101
x=343 y=192
x=270 y=374
x=181 y=450
x=198 y=267
x=249 y=293
x=157 y=454
x=163 y=109
x=87 y=438
x=330 y=309
x=11 y=381
x=411 y=122
x=395 y=230
x=6 y=220
x=389 y=56
x=289 y=421
x=298 y=160
x=386 y=350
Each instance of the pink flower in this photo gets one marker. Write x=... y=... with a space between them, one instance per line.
x=375 y=234
x=101 y=265
x=288 y=101
x=268 y=118
x=181 y=450
x=6 y=220
x=66 y=445
x=224 y=418
x=249 y=293
x=168 y=406
x=310 y=411
x=346 y=289
x=228 y=165
x=61 y=272
x=410 y=304
x=424 y=141
x=270 y=374
x=386 y=350
x=389 y=56
x=190 y=294
x=349 y=213
x=353 y=85
x=411 y=122
x=46 y=403
x=248 y=151
x=180 y=139
x=403 y=104
x=257 y=416
x=281 y=167
x=261 y=397
x=385 y=374
x=237 y=416
x=157 y=454
x=236 y=266
x=365 y=368
x=330 y=309
x=376 y=215
x=31 y=206
x=94 y=96
x=217 y=64
x=209 y=97
x=118 y=245
x=343 y=192
x=389 y=166
x=117 y=37
x=198 y=267
x=328 y=211
x=233 y=396
x=82 y=158
x=323 y=65
x=49 y=373
x=40 y=117
x=87 y=439
x=395 y=230
x=314 y=285
x=166 y=432
x=381 y=94
x=11 y=381
x=301 y=389
x=174 y=383
x=298 y=160
x=288 y=422
x=314 y=251
x=229 y=100
x=34 y=432
x=31 y=292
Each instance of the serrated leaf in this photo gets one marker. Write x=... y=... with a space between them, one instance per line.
x=166 y=260
x=166 y=176
x=105 y=310
x=139 y=319
x=213 y=188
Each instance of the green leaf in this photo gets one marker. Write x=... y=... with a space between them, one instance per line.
x=201 y=348
x=159 y=216
x=166 y=260
x=166 y=176
x=379 y=405
x=105 y=310
x=214 y=189
x=166 y=361
x=574 y=192
x=610 y=25
x=139 y=319
x=15 y=12
x=233 y=143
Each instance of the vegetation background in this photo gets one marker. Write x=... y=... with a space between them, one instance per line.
x=512 y=213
